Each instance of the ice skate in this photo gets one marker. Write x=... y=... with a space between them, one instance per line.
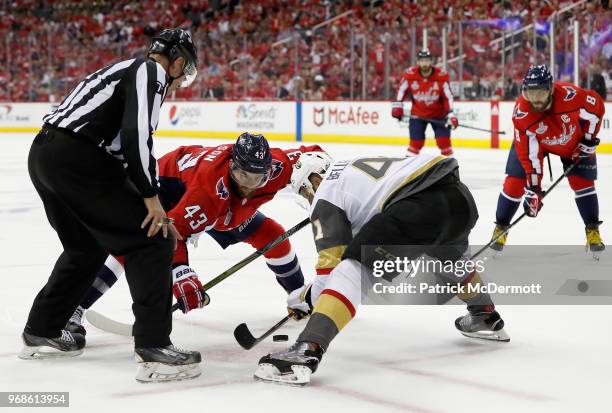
x=170 y=363
x=594 y=243
x=291 y=367
x=75 y=324
x=66 y=345
x=500 y=242
x=482 y=324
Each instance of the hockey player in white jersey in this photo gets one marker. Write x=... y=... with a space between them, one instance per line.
x=416 y=201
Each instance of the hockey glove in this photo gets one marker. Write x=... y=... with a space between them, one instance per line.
x=187 y=289
x=397 y=110
x=533 y=200
x=585 y=149
x=452 y=122
x=298 y=302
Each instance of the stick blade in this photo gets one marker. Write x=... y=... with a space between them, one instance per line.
x=106 y=324
x=243 y=336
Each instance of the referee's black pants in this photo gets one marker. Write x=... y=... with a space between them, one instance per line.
x=95 y=210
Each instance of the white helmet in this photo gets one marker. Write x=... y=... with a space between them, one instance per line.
x=309 y=163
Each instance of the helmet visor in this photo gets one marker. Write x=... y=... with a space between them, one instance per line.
x=250 y=180
x=537 y=95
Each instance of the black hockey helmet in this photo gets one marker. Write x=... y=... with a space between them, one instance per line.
x=175 y=43
x=424 y=54
x=537 y=77
x=251 y=160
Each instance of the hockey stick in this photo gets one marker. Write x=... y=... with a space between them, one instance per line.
x=524 y=214
x=443 y=123
x=106 y=324
x=247 y=341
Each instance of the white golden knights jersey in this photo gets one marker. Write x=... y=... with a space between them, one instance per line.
x=353 y=191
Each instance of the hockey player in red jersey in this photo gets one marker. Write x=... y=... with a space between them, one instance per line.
x=217 y=190
x=429 y=90
x=552 y=118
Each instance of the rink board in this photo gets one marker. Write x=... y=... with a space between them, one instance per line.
x=367 y=122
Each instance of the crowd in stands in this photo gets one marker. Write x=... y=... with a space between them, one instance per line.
x=277 y=49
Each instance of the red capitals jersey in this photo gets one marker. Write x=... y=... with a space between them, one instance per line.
x=197 y=193
x=575 y=114
x=431 y=96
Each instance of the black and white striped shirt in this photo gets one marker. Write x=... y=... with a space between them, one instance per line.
x=118 y=107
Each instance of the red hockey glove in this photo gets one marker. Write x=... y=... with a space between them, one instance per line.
x=452 y=122
x=533 y=200
x=585 y=149
x=188 y=290
x=397 y=110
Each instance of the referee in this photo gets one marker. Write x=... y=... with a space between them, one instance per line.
x=93 y=166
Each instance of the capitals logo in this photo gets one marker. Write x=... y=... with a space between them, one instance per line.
x=277 y=168
x=222 y=189
x=518 y=114
x=174 y=118
x=571 y=92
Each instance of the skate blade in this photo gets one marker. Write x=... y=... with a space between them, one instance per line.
x=46 y=352
x=595 y=250
x=499 y=335
x=160 y=373
x=268 y=373
x=596 y=254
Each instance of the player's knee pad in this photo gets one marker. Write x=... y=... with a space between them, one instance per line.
x=416 y=145
x=268 y=231
x=345 y=281
x=444 y=143
x=514 y=187
x=578 y=183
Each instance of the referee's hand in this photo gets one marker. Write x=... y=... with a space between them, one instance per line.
x=157 y=219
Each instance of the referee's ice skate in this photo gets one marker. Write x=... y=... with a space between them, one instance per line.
x=170 y=363
x=66 y=345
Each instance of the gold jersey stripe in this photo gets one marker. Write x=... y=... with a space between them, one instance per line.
x=412 y=177
x=333 y=308
x=330 y=257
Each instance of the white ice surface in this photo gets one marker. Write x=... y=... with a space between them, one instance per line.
x=404 y=359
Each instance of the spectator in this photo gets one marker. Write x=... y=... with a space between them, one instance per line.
x=511 y=89
x=598 y=83
x=476 y=91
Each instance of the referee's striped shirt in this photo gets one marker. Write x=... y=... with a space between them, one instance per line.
x=118 y=108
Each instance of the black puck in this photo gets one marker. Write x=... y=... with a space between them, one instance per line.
x=280 y=337
x=583 y=286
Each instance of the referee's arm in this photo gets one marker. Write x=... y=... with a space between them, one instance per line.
x=141 y=99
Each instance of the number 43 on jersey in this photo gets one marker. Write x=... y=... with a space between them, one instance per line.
x=195 y=221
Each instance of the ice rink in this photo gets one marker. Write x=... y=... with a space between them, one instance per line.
x=395 y=359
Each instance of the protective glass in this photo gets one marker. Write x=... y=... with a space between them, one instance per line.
x=247 y=179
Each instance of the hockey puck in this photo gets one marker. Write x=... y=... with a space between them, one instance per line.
x=280 y=337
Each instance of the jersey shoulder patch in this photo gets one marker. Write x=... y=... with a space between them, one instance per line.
x=277 y=169
x=570 y=93
x=518 y=113
x=221 y=188
x=441 y=75
x=410 y=72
